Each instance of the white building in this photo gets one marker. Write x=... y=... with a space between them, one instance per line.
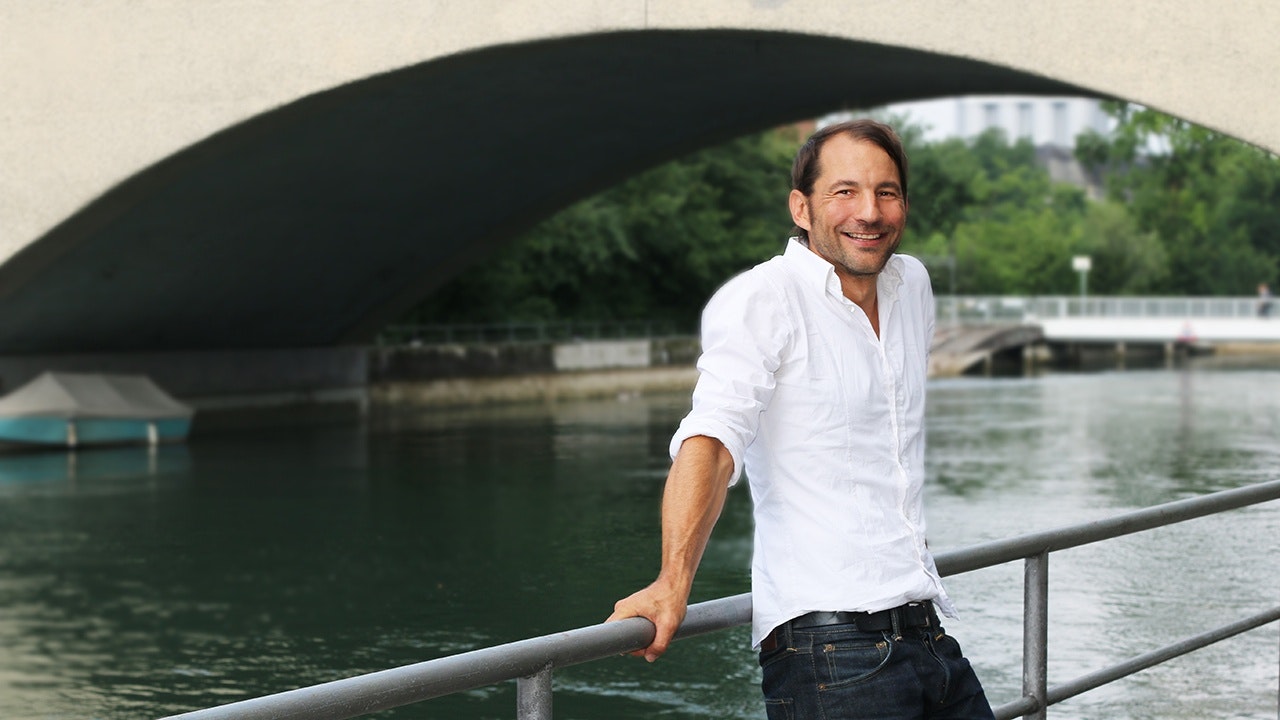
x=1045 y=121
x=1052 y=121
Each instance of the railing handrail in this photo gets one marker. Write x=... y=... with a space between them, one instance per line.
x=537 y=657
x=998 y=552
x=1030 y=308
x=527 y=331
x=966 y=308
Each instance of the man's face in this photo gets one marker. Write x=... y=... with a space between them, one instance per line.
x=856 y=212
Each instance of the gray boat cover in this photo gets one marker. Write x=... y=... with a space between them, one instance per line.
x=69 y=395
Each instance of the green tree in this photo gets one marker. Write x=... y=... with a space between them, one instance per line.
x=988 y=206
x=1209 y=199
x=1126 y=260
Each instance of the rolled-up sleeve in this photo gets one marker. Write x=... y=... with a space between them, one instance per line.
x=746 y=328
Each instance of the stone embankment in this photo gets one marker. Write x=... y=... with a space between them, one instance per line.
x=456 y=374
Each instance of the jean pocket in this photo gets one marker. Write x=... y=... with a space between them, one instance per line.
x=852 y=661
x=946 y=646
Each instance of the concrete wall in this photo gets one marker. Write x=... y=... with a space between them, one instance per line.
x=602 y=355
x=489 y=360
x=530 y=372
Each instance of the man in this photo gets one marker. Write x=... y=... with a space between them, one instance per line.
x=812 y=378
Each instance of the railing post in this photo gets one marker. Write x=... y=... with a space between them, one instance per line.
x=533 y=696
x=1035 y=633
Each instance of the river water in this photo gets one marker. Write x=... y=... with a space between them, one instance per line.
x=137 y=584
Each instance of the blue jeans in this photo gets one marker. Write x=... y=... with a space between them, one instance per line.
x=835 y=672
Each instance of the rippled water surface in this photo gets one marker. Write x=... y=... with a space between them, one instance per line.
x=135 y=584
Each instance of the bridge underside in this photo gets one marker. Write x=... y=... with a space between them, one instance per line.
x=316 y=223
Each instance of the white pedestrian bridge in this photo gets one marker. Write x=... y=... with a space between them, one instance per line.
x=976 y=331
x=1160 y=320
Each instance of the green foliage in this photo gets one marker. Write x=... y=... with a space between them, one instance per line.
x=1212 y=202
x=1126 y=260
x=1186 y=211
x=1006 y=227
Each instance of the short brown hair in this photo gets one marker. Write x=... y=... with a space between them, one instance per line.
x=805 y=169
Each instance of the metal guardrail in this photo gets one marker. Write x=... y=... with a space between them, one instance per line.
x=531 y=662
x=431 y=334
x=1019 y=309
x=950 y=308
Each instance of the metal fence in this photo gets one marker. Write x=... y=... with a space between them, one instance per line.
x=428 y=334
x=531 y=662
x=950 y=308
x=1017 y=309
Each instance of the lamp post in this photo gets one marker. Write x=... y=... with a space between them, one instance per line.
x=1082 y=264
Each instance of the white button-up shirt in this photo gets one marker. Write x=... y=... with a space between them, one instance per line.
x=828 y=422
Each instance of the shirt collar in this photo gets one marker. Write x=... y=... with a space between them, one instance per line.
x=818 y=271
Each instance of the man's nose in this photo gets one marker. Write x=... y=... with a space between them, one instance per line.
x=867 y=209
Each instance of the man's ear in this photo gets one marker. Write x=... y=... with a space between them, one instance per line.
x=799 y=205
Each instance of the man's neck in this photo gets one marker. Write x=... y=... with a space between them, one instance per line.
x=861 y=290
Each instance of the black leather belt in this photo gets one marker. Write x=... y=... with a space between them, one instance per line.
x=911 y=615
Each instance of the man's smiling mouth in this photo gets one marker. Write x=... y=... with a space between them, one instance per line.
x=863 y=236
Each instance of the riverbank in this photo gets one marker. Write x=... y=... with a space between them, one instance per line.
x=233 y=388
x=542 y=387
x=481 y=374
x=484 y=374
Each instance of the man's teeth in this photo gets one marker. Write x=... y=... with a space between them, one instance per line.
x=863 y=236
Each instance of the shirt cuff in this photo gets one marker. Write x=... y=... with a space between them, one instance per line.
x=711 y=430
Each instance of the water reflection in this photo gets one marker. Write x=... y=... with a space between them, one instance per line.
x=44 y=470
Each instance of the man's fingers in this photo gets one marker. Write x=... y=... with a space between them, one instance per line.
x=624 y=609
x=658 y=648
x=664 y=622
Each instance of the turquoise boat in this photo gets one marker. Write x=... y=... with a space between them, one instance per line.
x=79 y=409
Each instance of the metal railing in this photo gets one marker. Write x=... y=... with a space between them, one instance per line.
x=950 y=308
x=1018 y=309
x=531 y=662
x=431 y=334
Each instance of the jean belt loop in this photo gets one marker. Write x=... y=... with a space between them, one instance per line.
x=895 y=618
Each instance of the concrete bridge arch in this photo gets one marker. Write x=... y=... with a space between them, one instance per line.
x=278 y=174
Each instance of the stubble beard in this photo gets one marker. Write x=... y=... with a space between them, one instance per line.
x=853 y=262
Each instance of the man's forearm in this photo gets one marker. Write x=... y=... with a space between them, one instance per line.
x=691 y=504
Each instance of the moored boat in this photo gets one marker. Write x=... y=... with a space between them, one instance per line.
x=83 y=409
